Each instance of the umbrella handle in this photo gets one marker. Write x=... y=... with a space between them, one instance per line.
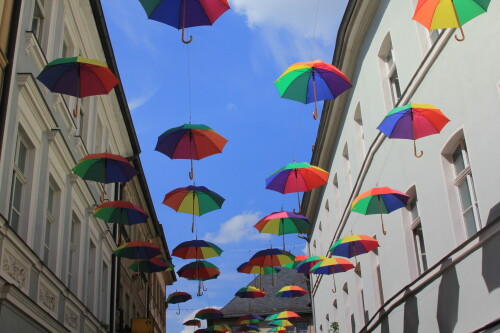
x=334 y=290
x=460 y=39
x=191 y=173
x=383 y=228
x=298 y=200
x=315 y=113
x=415 y=150
x=200 y=292
x=75 y=111
x=102 y=198
x=183 y=38
x=178 y=312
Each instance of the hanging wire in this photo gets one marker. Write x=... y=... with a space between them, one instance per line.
x=189 y=81
x=314 y=31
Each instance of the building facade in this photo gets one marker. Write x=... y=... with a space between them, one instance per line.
x=57 y=270
x=436 y=270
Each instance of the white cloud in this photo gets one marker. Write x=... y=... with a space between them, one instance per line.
x=296 y=16
x=237 y=228
x=138 y=101
x=294 y=30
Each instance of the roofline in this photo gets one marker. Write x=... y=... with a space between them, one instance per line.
x=122 y=101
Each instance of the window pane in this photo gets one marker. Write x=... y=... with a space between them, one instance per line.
x=14 y=220
x=470 y=222
x=18 y=190
x=463 y=189
x=418 y=238
x=414 y=211
x=50 y=200
x=458 y=160
x=395 y=88
x=21 y=157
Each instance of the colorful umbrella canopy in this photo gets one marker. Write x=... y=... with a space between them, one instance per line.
x=307 y=264
x=192 y=322
x=379 y=200
x=332 y=266
x=271 y=257
x=291 y=291
x=104 y=168
x=152 y=265
x=196 y=200
x=196 y=249
x=280 y=322
x=137 y=250
x=296 y=177
x=312 y=81
x=178 y=297
x=183 y=14
x=412 y=122
x=248 y=328
x=121 y=212
x=278 y=329
x=283 y=315
x=190 y=141
x=218 y=328
x=248 y=268
x=250 y=292
x=199 y=270
x=79 y=77
x=209 y=314
x=281 y=223
x=297 y=261
x=249 y=319
x=353 y=245
x=448 y=14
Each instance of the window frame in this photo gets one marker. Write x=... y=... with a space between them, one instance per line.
x=414 y=224
x=22 y=177
x=40 y=21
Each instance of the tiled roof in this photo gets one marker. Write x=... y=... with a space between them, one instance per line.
x=271 y=304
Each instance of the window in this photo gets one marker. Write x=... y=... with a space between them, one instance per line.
x=363 y=316
x=302 y=327
x=347 y=309
x=336 y=194
x=417 y=234
x=19 y=182
x=465 y=189
x=50 y=221
x=360 y=134
x=104 y=293
x=377 y=281
x=74 y=247
x=347 y=170
x=91 y=276
x=38 y=20
x=389 y=72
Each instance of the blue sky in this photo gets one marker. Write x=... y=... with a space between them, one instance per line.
x=229 y=87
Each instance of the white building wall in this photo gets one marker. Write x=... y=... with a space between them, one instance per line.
x=462 y=80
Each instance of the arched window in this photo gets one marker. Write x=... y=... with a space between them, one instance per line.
x=347 y=170
x=360 y=135
x=389 y=73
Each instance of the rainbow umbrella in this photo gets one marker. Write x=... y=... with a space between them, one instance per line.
x=195 y=200
x=332 y=266
x=312 y=81
x=296 y=177
x=218 y=328
x=137 y=250
x=183 y=14
x=280 y=322
x=249 y=268
x=209 y=314
x=192 y=322
x=281 y=223
x=104 y=168
x=271 y=257
x=305 y=266
x=190 y=141
x=79 y=77
x=379 y=200
x=434 y=14
x=250 y=292
x=353 y=245
x=199 y=270
x=291 y=291
x=282 y=315
x=248 y=328
x=412 y=122
x=178 y=297
x=196 y=249
x=249 y=319
x=153 y=265
x=121 y=212
x=297 y=261
x=278 y=329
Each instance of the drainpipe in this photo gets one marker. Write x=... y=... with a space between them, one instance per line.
x=9 y=69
